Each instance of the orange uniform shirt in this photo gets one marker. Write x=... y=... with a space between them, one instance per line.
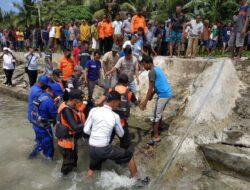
x=138 y=22
x=109 y=29
x=67 y=67
x=101 y=29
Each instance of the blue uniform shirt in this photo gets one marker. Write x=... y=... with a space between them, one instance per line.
x=35 y=91
x=93 y=69
x=47 y=109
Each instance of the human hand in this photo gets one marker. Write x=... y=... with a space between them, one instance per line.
x=137 y=80
x=143 y=105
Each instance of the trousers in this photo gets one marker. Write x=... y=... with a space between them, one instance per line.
x=43 y=141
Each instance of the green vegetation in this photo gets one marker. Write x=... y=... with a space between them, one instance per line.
x=36 y=12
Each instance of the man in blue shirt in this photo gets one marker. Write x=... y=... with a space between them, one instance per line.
x=158 y=84
x=93 y=74
x=44 y=113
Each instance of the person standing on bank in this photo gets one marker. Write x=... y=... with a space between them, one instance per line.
x=128 y=65
x=109 y=61
x=100 y=124
x=8 y=65
x=69 y=129
x=31 y=65
x=158 y=84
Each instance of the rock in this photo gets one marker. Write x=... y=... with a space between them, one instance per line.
x=236 y=138
x=230 y=160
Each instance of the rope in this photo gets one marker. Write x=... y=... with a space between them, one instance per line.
x=168 y=164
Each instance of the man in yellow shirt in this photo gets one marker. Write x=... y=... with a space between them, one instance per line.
x=84 y=31
x=20 y=39
x=58 y=34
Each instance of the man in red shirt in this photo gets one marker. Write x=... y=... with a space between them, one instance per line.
x=76 y=51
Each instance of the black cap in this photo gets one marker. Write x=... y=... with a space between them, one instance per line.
x=57 y=72
x=128 y=50
x=76 y=94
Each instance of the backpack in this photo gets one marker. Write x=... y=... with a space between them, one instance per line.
x=36 y=119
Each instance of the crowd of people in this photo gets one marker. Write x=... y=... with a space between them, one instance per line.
x=59 y=99
x=178 y=35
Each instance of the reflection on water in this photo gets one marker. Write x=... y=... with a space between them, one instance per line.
x=16 y=139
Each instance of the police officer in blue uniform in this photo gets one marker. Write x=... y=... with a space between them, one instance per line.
x=43 y=116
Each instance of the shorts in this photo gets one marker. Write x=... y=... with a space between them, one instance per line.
x=100 y=154
x=205 y=43
x=212 y=44
x=176 y=37
x=95 y=44
x=158 y=108
x=236 y=40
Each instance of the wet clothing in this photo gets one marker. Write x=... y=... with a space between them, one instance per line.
x=100 y=124
x=73 y=120
x=44 y=136
x=48 y=70
x=35 y=91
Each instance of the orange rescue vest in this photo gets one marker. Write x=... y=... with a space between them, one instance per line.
x=78 y=116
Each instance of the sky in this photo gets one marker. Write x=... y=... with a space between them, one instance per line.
x=6 y=5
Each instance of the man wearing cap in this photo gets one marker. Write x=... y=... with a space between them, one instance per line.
x=129 y=66
x=44 y=113
x=109 y=61
x=66 y=65
x=8 y=66
x=75 y=80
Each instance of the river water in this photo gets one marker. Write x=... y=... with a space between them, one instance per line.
x=17 y=172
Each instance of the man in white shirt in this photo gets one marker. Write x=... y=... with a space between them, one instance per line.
x=196 y=28
x=31 y=67
x=126 y=28
x=8 y=65
x=117 y=30
x=101 y=122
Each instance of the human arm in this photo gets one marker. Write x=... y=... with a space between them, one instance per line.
x=137 y=68
x=149 y=95
x=88 y=124
x=118 y=126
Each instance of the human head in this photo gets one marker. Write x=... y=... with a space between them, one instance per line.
x=54 y=90
x=123 y=79
x=67 y=53
x=134 y=38
x=140 y=31
x=206 y=23
x=104 y=18
x=243 y=2
x=31 y=50
x=139 y=12
x=5 y=50
x=178 y=9
x=147 y=62
x=198 y=18
x=118 y=17
x=113 y=99
x=78 y=70
x=115 y=49
x=84 y=21
x=128 y=52
x=75 y=96
x=43 y=82
x=79 y=43
x=56 y=75
x=129 y=16
x=159 y=36
x=97 y=55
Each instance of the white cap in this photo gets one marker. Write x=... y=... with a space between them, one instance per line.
x=5 y=49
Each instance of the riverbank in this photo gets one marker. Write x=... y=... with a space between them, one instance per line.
x=209 y=108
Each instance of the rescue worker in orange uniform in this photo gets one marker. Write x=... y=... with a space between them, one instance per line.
x=138 y=21
x=69 y=129
x=123 y=110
